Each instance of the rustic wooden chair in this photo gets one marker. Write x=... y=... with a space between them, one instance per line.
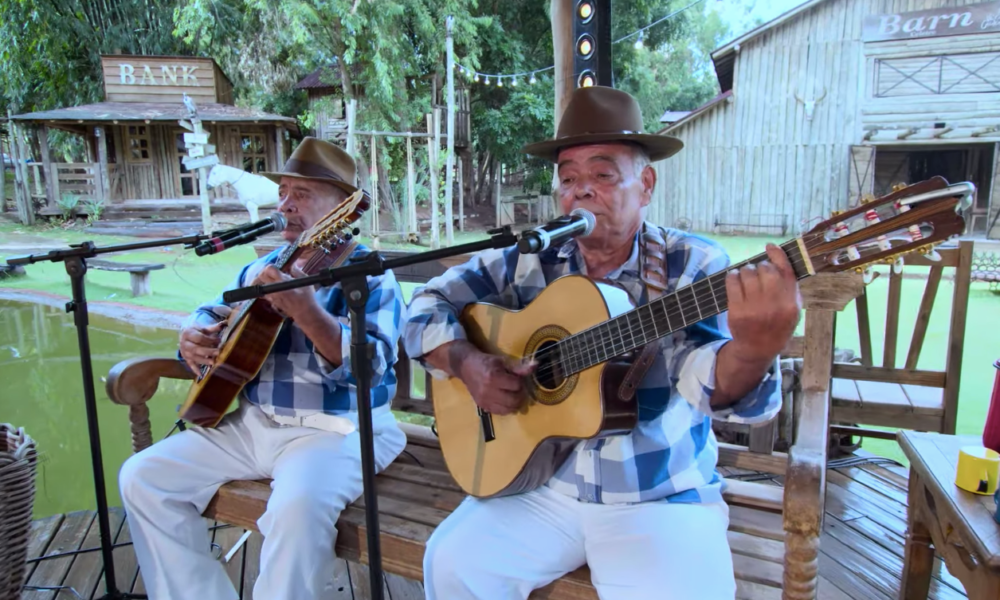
x=774 y=531
x=906 y=397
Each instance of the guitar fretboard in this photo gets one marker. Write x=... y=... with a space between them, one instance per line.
x=661 y=317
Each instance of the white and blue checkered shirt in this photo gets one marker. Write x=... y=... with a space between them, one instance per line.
x=296 y=380
x=672 y=453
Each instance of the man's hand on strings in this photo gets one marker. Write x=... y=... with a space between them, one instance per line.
x=200 y=345
x=298 y=304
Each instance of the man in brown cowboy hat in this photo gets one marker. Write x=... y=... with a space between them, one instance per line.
x=296 y=422
x=643 y=510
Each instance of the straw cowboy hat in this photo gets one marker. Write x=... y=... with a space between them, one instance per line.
x=320 y=161
x=602 y=114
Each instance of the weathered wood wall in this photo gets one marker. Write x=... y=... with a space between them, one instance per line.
x=759 y=153
x=130 y=78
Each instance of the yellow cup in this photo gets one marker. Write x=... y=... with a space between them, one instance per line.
x=978 y=470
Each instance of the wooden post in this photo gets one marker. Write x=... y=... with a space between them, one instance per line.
x=499 y=184
x=47 y=168
x=562 y=47
x=279 y=146
x=449 y=174
x=3 y=177
x=461 y=197
x=374 y=185
x=411 y=194
x=352 y=111
x=104 y=181
x=22 y=195
x=433 y=144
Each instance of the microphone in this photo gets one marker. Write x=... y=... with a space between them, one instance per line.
x=242 y=234
x=579 y=222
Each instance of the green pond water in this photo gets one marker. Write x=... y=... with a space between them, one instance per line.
x=41 y=389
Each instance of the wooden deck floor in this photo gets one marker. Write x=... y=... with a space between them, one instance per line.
x=862 y=548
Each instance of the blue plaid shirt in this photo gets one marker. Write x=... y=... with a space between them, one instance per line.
x=672 y=453
x=295 y=379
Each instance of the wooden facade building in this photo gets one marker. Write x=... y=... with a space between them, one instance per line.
x=837 y=100
x=134 y=143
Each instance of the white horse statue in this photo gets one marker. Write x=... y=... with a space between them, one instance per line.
x=253 y=191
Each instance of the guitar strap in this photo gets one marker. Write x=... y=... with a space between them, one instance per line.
x=653 y=273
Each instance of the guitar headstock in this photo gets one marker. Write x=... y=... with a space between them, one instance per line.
x=333 y=229
x=913 y=218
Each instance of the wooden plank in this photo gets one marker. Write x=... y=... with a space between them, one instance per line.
x=828 y=591
x=877 y=484
x=748 y=590
x=882 y=394
x=758 y=495
x=756 y=522
x=892 y=320
x=51 y=187
x=956 y=338
x=844 y=578
x=755 y=570
x=877 y=582
x=914 y=377
x=844 y=391
x=251 y=563
x=361 y=581
x=925 y=400
x=401 y=588
x=88 y=567
x=739 y=456
x=860 y=497
x=42 y=533
x=756 y=547
x=126 y=564
x=226 y=538
x=875 y=554
x=893 y=417
x=923 y=317
x=52 y=572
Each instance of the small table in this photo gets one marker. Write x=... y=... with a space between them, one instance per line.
x=944 y=517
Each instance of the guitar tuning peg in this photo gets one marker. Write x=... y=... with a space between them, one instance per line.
x=899 y=186
x=897 y=265
x=867 y=198
x=834 y=213
x=866 y=274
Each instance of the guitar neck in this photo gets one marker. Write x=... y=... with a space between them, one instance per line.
x=659 y=318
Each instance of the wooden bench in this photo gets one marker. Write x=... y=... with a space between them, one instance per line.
x=774 y=531
x=906 y=397
x=139 y=273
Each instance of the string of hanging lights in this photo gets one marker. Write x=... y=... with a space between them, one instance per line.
x=584 y=47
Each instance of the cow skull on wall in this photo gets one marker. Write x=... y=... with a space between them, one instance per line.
x=810 y=105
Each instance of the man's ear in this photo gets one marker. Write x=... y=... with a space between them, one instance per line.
x=648 y=179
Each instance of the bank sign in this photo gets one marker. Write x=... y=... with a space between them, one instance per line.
x=937 y=22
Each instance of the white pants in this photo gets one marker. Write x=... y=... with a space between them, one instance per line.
x=504 y=548
x=166 y=487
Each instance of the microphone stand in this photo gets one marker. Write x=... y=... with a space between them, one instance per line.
x=354 y=280
x=76 y=267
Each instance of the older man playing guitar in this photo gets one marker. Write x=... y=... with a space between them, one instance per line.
x=296 y=422
x=643 y=509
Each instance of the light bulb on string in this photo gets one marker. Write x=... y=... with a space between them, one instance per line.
x=638 y=42
x=477 y=77
x=532 y=80
x=513 y=81
x=499 y=82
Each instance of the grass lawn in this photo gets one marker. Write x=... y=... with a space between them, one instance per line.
x=189 y=280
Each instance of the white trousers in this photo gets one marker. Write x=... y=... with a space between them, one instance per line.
x=503 y=548
x=167 y=486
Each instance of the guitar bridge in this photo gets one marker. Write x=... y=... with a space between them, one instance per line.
x=486 y=420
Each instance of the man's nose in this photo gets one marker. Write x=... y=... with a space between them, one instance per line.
x=285 y=203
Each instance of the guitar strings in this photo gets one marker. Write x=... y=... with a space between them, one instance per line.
x=586 y=349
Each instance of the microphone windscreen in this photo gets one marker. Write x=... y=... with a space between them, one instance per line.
x=279 y=220
x=587 y=216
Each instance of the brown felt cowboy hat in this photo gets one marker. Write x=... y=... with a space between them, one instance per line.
x=602 y=114
x=320 y=161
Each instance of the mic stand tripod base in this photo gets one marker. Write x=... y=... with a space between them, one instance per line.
x=362 y=353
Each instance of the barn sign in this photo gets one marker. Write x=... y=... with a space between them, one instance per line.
x=937 y=22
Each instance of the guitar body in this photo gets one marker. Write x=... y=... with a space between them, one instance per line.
x=249 y=334
x=529 y=445
x=241 y=357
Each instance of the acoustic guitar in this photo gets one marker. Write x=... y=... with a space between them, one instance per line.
x=583 y=353
x=252 y=328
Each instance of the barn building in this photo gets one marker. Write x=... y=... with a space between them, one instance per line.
x=834 y=101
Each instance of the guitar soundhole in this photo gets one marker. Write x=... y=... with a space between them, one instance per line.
x=549 y=373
